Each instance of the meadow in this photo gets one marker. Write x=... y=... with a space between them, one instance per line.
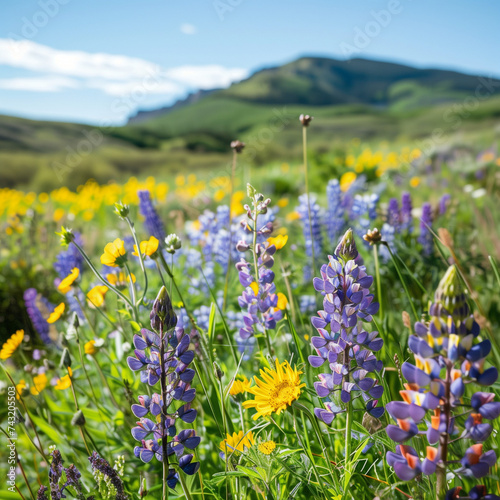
x=324 y=326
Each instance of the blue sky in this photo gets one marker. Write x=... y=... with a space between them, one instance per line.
x=98 y=61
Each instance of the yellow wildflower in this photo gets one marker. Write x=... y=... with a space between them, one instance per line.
x=114 y=254
x=237 y=443
x=56 y=313
x=12 y=344
x=282 y=301
x=40 y=382
x=95 y=297
x=90 y=347
x=240 y=386
x=65 y=285
x=119 y=279
x=346 y=180
x=278 y=241
x=277 y=390
x=148 y=247
x=20 y=388
x=414 y=182
x=267 y=447
x=64 y=382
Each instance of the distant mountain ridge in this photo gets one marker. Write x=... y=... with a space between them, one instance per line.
x=321 y=81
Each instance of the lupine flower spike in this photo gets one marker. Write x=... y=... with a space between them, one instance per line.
x=449 y=356
x=343 y=343
x=162 y=355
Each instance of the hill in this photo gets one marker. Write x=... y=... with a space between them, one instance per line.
x=371 y=100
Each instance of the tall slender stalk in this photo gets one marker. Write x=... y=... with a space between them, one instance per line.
x=379 y=283
x=231 y=194
x=403 y=282
x=306 y=178
x=164 y=438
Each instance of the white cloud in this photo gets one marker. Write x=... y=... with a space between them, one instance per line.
x=112 y=74
x=188 y=29
x=39 y=83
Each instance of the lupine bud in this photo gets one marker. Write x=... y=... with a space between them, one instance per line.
x=251 y=191
x=449 y=294
x=78 y=419
x=346 y=249
x=162 y=314
x=218 y=371
x=65 y=359
x=242 y=246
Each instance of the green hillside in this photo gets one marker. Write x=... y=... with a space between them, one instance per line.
x=370 y=100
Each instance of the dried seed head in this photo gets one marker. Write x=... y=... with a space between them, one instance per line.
x=305 y=120
x=373 y=236
x=238 y=146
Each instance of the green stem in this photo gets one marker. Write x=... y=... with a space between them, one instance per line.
x=100 y=277
x=306 y=175
x=348 y=431
x=141 y=260
x=379 y=283
x=231 y=194
x=402 y=282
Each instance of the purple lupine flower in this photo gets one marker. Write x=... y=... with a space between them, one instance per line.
x=70 y=258
x=258 y=301
x=310 y=229
x=477 y=493
x=35 y=304
x=163 y=356
x=152 y=222
x=448 y=355
x=335 y=214
x=343 y=342
x=443 y=203
x=73 y=480
x=406 y=209
x=425 y=238
x=100 y=464
x=393 y=215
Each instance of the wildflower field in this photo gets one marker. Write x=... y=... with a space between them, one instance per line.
x=324 y=328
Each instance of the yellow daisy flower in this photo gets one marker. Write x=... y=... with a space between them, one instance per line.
x=120 y=279
x=148 y=247
x=95 y=297
x=346 y=180
x=12 y=344
x=267 y=447
x=56 y=313
x=64 y=382
x=277 y=390
x=237 y=443
x=240 y=386
x=65 y=285
x=414 y=182
x=90 y=347
x=114 y=254
x=20 y=388
x=40 y=382
x=282 y=301
x=279 y=241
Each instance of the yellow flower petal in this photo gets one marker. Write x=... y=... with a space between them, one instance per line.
x=65 y=285
x=56 y=313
